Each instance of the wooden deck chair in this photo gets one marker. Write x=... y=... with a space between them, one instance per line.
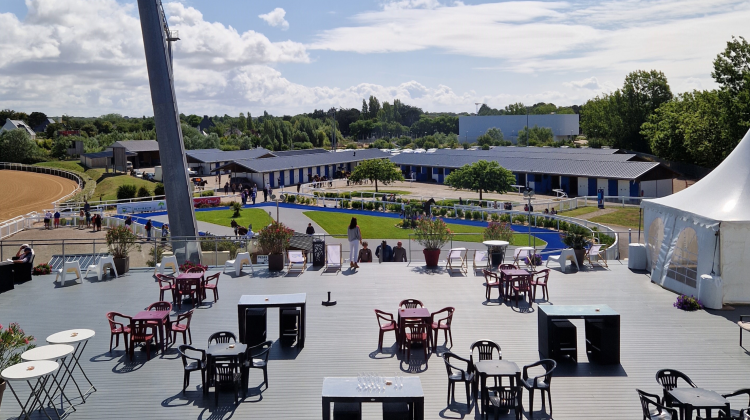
x=481 y=261
x=599 y=253
x=519 y=255
x=297 y=260
x=334 y=257
x=457 y=260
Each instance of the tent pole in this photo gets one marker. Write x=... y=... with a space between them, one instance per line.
x=640 y=214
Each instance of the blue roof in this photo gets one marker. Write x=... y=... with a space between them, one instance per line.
x=216 y=155
x=306 y=160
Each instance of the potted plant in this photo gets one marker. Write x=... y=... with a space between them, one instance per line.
x=578 y=241
x=273 y=240
x=13 y=342
x=120 y=241
x=432 y=234
x=497 y=231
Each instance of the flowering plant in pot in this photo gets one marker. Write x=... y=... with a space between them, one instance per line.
x=273 y=240
x=688 y=303
x=41 y=270
x=187 y=265
x=120 y=241
x=533 y=260
x=13 y=342
x=432 y=234
x=578 y=241
x=497 y=231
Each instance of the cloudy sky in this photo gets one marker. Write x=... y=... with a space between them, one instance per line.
x=85 y=57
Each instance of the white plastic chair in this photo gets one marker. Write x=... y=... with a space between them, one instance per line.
x=456 y=260
x=241 y=259
x=104 y=261
x=168 y=261
x=480 y=260
x=297 y=260
x=69 y=266
x=565 y=255
x=334 y=257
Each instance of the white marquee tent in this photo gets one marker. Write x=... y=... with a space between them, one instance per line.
x=704 y=230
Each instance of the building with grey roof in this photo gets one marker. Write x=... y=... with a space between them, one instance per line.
x=18 y=124
x=573 y=173
x=146 y=152
x=564 y=126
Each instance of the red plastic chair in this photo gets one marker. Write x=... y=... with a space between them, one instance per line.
x=195 y=270
x=184 y=329
x=443 y=323
x=118 y=328
x=185 y=288
x=166 y=283
x=160 y=306
x=540 y=278
x=415 y=332
x=491 y=280
x=523 y=285
x=209 y=286
x=410 y=304
x=386 y=323
x=139 y=333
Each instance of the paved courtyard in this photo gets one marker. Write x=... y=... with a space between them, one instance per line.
x=342 y=341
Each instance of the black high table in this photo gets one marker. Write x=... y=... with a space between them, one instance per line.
x=6 y=276
x=602 y=330
x=290 y=301
x=344 y=390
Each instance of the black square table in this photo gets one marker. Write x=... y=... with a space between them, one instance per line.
x=495 y=369
x=689 y=399
x=345 y=390
x=290 y=301
x=6 y=276
x=225 y=351
x=602 y=330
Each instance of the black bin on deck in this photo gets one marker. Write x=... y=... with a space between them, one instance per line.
x=255 y=327
x=318 y=252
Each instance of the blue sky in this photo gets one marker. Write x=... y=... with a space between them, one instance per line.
x=85 y=57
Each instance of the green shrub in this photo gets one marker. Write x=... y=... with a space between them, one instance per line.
x=459 y=213
x=159 y=189
x=126 y=191
x=291 y=198
x=520 y=219
x=63 y=222
x=477 y=215
x=207 y=194
x=356 y=205
x=143 y=192
x=237 y=208
x=369 y=205
x=345 y=204
x=443 y=211
x=494 y=217
x=468 y=215
x=378 y=205
x=505 y=218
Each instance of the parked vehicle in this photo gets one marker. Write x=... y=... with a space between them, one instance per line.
x=138 y=173
x=157 y=174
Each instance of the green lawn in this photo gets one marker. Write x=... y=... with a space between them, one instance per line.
x=579 y=211
x=627 y=217
x=106 y=185
x=73 y=166
x=375 y=227
x=257 y=217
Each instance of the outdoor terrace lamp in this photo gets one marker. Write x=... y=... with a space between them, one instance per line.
x=528 y=194
x=281 y=197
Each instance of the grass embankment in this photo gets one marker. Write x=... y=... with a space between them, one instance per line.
x=106 y=183
x=626 y=216
x=375 y=227
x=256 y=217
x=578 y=212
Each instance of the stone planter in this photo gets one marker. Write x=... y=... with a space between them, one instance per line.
x=275 y=262
x=431 y=257
x=122 y=265
x=580 y=256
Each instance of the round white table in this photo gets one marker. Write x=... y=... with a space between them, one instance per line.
x=79 y=338
x=27 y=372
x=503 y=245
x=53 y=352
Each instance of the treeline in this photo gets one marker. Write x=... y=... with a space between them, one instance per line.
x=519 y=108
x=698 y=127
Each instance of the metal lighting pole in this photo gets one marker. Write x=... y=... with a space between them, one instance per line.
x=528 y=193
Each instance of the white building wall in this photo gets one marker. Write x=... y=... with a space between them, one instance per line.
x=601 y=183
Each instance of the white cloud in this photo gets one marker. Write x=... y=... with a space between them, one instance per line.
x=276 y=18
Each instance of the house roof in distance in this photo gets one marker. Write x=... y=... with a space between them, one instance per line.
x=216 y=155
x=20 y=124
x=137 y=145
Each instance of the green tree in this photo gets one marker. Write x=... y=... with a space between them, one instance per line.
x=535 y=136
x=643 y=92
x=17 y=146
x=126 y=191
x=36 y=118
x=732 y=74
x=382 y=170
x=159 y=189
x=89 y=129
x=373 y=107
x=143 y=192
x=481 y=176
x=60 y=147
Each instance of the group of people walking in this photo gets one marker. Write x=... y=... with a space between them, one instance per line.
x=354 y=235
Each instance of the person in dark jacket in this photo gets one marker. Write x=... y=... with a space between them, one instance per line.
x=399 y=253
x=148 y=229
x=365 y=254
x=310 y=229
x=387 y=252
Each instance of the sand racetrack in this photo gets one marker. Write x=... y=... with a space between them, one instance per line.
x=24 y=192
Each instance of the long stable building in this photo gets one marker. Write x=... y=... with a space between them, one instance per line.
x=577 y=172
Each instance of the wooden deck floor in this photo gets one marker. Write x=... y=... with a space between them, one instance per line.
x=342 y=341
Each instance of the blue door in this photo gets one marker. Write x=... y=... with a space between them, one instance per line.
x=291 y=177
x=634 y=189
x=326 y=171
x=272 y=179
x=612 y=187
x=300 y=176
x=281 y=178
x=565 y=184
x=592 y=186
x=318 y=170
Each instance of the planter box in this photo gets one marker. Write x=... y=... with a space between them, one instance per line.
x=217 y=258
